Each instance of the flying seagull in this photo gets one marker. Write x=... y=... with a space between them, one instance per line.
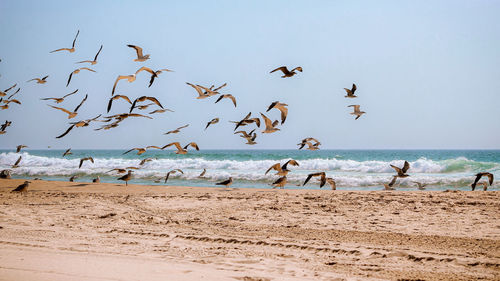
x=85 y=159
x=67 y=152
x=421 y=186
x=115 y=97
x=39 y=81
x=16 y=165
x=140 y=56
x=81 y=123
x=350 y=93
x=322 y=176
x=141 y=150
x=211 y=122
x=76 y=71
x=478 y=177
x=388 y=186
x=92 y=62
x=402 y=171
x=270 y=126
x=356 y=111
x=282 y=107
x=172 y=172
x=4 y=93
x=202 y=174
x=180 y=149
x=71 y=114
x=176 y=130
x=282 y=170
x=227 y=96
x=286 y=72
x=153 y=73
x=59 y=100
x=19 y=147
x=72 y=46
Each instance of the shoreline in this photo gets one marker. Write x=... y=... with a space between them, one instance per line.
x=102 y=230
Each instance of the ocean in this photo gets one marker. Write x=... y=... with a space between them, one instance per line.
x=351 y=169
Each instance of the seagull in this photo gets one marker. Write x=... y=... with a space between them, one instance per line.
x=71 y=114
x=130 y=79
x=160 y=111
x=126 y=115
x=16 y=165
x=332 y=183
x=145 y=160
x=356 y=111
x=4 y=93
x=38 y=80
x=19 y=147
x=310 y=146
x=227 y=182
x=81 y=123
x=421 y=186
x=245 y=121
x=140 y=56
x=85 y=159
x=59 y=100
x=281 y=182
x=281 y=107
x=389 y=185
x=202 y=174
x=211 y=122
x=4 y=126
x=282 y=170
x=320 y=174
x=76 y=71
x=270 y=126
x=92 y=62
x=478 y=177
x=141 y=150
x=122 y=170
x=176 y=130
x=17 y=91
x=96 y=180
x=153 y=73
x=115 y=98
x=144 y=106
x=286 y=72
x=350 y=93
x=72 y=46
x=73 y=178
x=304 y=141
x=126 y=177
x=181 y=150
x=67 y=152
x=248 y=136
x=173 y=172
x=402 y=171
x=228 y=96
x=200 y=89
x=143 y=98
x=6 y=103
x=22 y=188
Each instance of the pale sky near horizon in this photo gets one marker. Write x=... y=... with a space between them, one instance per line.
x=427 y=72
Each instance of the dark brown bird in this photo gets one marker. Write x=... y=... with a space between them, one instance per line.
x=16 y=165
x=350 y=93
x=126 y=177
x=479 y=176
x=282 y=170
x=402 y=171
x=59 y=100
x=22 y=188
x=282 y=107
x=281 y=182
x=92 y=62
x=73 y=178
x=286 y=72
x=72 y=49
x=85 y=159
x=96 y=180
x=227 y=182
x=322 y=176
x=172 y=172
x=19 y=147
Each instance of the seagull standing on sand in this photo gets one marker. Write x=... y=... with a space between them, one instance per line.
x=22 y=188
x=281 y=182
x=140 y=56
x=126 y=177
x=286 y=72
x=72 y=49
x=227 y=182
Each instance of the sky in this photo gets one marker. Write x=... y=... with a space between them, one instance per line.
x=427 y=72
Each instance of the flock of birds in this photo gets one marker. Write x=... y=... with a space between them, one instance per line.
x=203 y=92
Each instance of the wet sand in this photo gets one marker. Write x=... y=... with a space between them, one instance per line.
x=80 y=231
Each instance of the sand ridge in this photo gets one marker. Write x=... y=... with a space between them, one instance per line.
x=256 y=234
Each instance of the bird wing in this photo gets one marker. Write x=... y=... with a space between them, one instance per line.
x=120 y=77
x=130 y=150
x=220 y=87
x=138 y=50
x=406 y=166
x=45 y=77
x=298 y=68
x=398 y=170
x=177 y=145
x=203 y=173
x=282 y=68
x=12 y=87
x=153 y=146
x=356 y=107
x=62 y=49
x=490 y=178
x=69 y=79
x=66 y=152
x=72 y=93
x=197 y=88
x=291 y=162
x=307 y=179
x=86 y=68
x=354 y=88
x=74 y=40
x=18 y=160
x=62 y=109
x=193 y=144
x=179 y=170
x=95 y=58
x=267 y=121
x=183 y=127
x=14 y=93
x=276 y=167
x=146 y=69
x=393 y=181
x=284 y=112
x=81 y=162
x=84 y=99
x=65 y=133
x=271 y=106
x=138 y=115
x=153 y=99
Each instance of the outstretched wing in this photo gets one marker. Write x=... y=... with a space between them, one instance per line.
x=84 y=99
x=406 y=166
x=65 y=133
x=95 y=58
x=276 y=167
x=74 y=40
x=138 y=50
x=282 y=68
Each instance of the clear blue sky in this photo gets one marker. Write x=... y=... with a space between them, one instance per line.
x=427 y=72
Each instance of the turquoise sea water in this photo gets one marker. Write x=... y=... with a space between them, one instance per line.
x=352 y=169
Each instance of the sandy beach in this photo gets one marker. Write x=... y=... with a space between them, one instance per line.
x=79 y=231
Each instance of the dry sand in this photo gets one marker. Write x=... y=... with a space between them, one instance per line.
x=78 y=231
